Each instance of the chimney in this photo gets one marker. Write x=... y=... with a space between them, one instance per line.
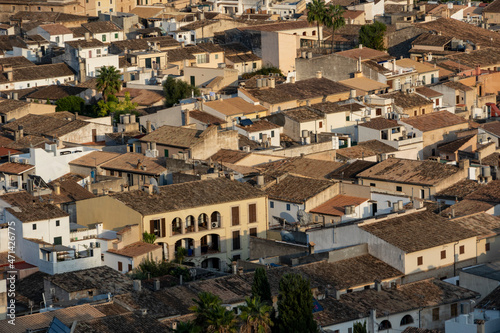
x=139 y=164
x=186 y=120
x=76 y=115
x=20 y=128
x=157 y=285
x=234 y=266
x=260 y=180
x=360 y=46
x=57 y=189
x=292 y=79
x=272 y=83
x=319 y=74
x=15 y=96
x=378 y=285
x=87 y=36
x=8 y=72
x=137 y=285
x=231 y=175
x=311 y=247
x=148 y=127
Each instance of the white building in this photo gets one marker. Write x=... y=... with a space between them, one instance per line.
x=57 y=34
x=263 y=131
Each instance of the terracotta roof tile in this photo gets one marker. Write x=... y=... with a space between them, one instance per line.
x=228 y=156
x=36 y=211
x=459 y=190
x=428 y=92
x=94 y=158
x=434 y=120
x=336 y=205
x=56 y=29
x=233 y=106
x=15 y=168
x=174 y=136
x=492 y=127
x=365 y=53
x=136 y=163
x=380 y=123
x=301 y=166
x=297 y=189
x=136 y=249
x=101 y=27
x=407 y=100
x=364 y=149
x=489 y=193
x=484 y=225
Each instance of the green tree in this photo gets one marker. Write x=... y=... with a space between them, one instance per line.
x=316 y=11
x=261 y=287
x=176 y=89
x=148 y=238
x=113 y=105
x=256 y=316
x=334 y=19
x=204 y=308
x=180 y=254
x=295 y=305
x=108 y=81
x=372 y=35
x=70 y=103
x=360 y=327
x=150 y=268
x=221 y=320
x=187 y=327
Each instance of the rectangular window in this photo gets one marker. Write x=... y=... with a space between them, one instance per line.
x=320 y=124
x=462 y=249
x=216 y=56
x=420 y=261
x=260 y=136
x=116 y=35
x=443 y=254
x=254 y=65
x=454 y=309
x=372 y=184
x=487 y=247
x=253 y=232
x=271 y=204
x=272 y=134
x=435 y=314
x=120 y=266
x=98 y=4
x=57 y=240
x=129 y=267
x=287 y=206
x=103 y=38
x=58 y=223
x=236 y=240
x=252 y=213
x=235 y=216
x=399 y=189
x=34 y=226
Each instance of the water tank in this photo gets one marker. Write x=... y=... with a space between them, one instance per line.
x=259 y=83
x=305 y=133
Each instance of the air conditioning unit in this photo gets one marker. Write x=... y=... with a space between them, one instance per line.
x=215 y=224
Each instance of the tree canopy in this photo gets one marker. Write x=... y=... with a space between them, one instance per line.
x=176 y=89
x=295 y=305
x=334 y=19
x=71 y=104
x=372 y=35
x=316 y=12
x=108 y=81
x=260 y=286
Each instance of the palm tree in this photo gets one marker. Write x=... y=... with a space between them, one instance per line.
x=316 y=13
x=256 y=316
x=180 y=254
x=334 y=19
x=204 y=308
x=222 y=321
x=187 y=327
x=148 y=238
x=108 y=81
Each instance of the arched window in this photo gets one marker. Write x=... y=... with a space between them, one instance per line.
x=304 y=33
x=384 y=325
x=215 y=220
x=203 y=221
x=190 y=223
x=176 y=226
x=406 y=320
x=314 y=32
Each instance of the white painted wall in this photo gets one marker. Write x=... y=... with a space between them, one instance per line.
x=280 y=210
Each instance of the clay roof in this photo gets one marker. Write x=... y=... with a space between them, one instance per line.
x=364 y=83
x=407 y=100
x=410 y=171
x=147 y=12
x=15 y=168
x=417 y=231
x=136 y=249
x=467 y=207
x=352 y=14
x=39 y=72
x=101 y=27
x=142 y=97
x=336 y=205
x=54 y=92
x=364 y=149
x=95 y=158
x=434 y=120
x=484 y=225
x=429 y=39
x=240 y=58
x=129 y=162
x=459 y=190
x=297 y=189
x=492 y=127
x=489 y=193
x=487 y=56
x=453 y=66
x=56 y=29
x=300 y=166
x=9 y=105
x=281 y=26
x=428 y=92
x=85 y=44
x=177 y=197
x=14 y=62
x=261 y=125
x=228 y=156
x=380 y=123
x=142 y=43
x=42 y=320
x=117 y=323
x=493 y=7
x=236 y=105
x=419 y=66
x=302 y=115
x=365 y=53
x=351 y=170
x=452 y=28
x=206 y=118
x=300 y=90
x=36 y=211
x=334 y=107
x=70 y=190
x=453 y=146
x=52 y=17
x=174 y=136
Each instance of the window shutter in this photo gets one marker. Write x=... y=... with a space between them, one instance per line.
x=163 y=228
x=252 y=213
x=235 y=215
x=152 y=226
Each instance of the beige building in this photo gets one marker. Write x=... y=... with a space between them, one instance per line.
x=435 y=128
x=212 y=219
x=420 y=179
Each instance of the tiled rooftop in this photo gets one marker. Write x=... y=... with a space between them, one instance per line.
x=297 y=189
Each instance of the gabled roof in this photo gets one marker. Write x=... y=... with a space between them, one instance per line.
x=54 y=92
x=36 y=211
x=182 y=196
x=302 y=115
x=297 y=189
x=493 y=7
x=433 y=121
x=364 y=149
x=485 y=225
x=407 y=100
x=487 y=56
x=228 y=156
x=101 y=27
x=491 y=301
x=136 y=163
x=364 y=83
x=85 y=44
x=489 y=193
x=455 y=145
x=459 y=190
x=428 y=92
x=11 y=105
x=135 y=249
x=351 y=170
x=174 y=136
x=300 y=166
x=336 y=205
x=410 y=171
x=70 y=190
x=56 y=29
x=49 y=17
x=144 y=43
x=235 y=105
x=492 y=127
x=14 y=62
x=429 y=39
x=420 y=67
x=365 y=53
x=39 y=72
x=380 y=123
x=417 y=231
x=13 y=168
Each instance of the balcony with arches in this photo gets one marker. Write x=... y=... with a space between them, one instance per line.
x=192 y=224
